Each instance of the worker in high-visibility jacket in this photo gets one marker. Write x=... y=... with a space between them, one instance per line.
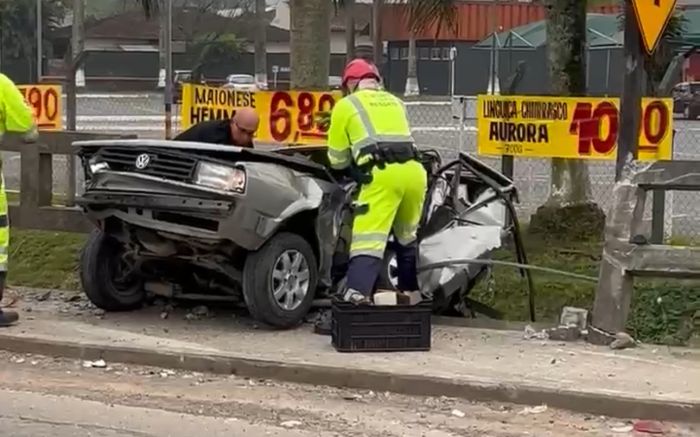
x=369 y=134
x=17 y=117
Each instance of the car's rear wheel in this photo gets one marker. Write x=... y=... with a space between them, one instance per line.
x=279 y=280
x=107 y=278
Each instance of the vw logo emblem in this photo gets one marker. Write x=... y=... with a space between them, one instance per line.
x=142 y=161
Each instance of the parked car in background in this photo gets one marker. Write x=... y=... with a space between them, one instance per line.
x=686 y=99
x=181 y=77
x=335 y=82
x=241 y=82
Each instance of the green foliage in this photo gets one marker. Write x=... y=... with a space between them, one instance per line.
x=44 y=259
x=422 y=14
x=666 y=312
x=18 y=25
x=212 y=49
x=657 y=63
x=663 y=311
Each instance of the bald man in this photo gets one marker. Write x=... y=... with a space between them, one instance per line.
x=238 y=131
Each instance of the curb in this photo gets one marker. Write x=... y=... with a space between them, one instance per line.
x=582 y=402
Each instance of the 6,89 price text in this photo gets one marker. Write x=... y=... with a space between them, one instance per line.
x=300 y=116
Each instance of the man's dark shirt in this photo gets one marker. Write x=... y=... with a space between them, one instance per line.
x=210 y=131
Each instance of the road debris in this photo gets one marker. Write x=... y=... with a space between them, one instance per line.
x=197 y=313
x=530 y=334
x=458 y=413
x=290 y=423
x=533 y=410
x=564 y=333
x=44 y=296
x=97 y=364
x=648 y=427
x=622 y=341
x=572 y=316
x=621 y=428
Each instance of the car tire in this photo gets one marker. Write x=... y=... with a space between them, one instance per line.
x=98 y=266
x=285 y=264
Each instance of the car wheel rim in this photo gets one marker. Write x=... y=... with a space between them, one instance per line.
x=290 y=279
x=122 y=273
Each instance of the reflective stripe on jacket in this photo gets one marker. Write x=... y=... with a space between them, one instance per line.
x=364 y=118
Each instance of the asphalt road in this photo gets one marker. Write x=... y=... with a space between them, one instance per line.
x=43 y=396
x=434 y=127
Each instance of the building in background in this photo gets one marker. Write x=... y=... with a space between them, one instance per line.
x=123 y=49
x=476 y=21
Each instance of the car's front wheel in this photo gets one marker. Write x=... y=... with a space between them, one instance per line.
x=108 y=278
x=279 y=280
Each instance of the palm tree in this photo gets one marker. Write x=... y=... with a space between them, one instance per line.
x=421 y=15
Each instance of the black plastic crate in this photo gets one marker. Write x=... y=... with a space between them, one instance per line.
x=368 y=328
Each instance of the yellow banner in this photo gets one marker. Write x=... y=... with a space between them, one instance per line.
x=569 y=127
x=47 y=103
x=289 y=117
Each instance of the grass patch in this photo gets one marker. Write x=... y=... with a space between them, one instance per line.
x=44 y=259
x=663 y=311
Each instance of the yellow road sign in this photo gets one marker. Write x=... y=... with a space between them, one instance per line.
x=653 y=16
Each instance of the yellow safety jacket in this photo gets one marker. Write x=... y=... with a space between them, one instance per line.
x=362 y=119
x=15 y=114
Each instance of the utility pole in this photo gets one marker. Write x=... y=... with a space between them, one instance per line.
x=349 y=30
x=631 y=101
x=76 y=58
x=377 y=32
x=260 y=43
x=168 y=95
x=39 y=40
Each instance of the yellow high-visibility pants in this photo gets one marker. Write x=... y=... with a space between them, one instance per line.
x=394 y=202
x=4 y=227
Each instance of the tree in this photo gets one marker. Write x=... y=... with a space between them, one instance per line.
x=310 y=36
x=421 y=15
x=18 y=27
x=569 y=211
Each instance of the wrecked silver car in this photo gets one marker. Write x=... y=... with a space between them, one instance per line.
x=267 y=228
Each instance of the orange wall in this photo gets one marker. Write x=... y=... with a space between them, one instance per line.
x=475 y=20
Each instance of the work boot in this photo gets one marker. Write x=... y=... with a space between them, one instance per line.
x=8 y=318
x=357 y=298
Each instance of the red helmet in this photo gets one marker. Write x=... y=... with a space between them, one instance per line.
x=359 y=69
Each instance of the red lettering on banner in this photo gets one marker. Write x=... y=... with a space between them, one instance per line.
x=45 y=105
x=587 y=124
x=280 y=114
x=654 y=138
x=307 y=126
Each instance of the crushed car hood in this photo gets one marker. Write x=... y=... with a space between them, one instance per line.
x=222 y=151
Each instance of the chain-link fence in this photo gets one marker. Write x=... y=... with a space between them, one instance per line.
x=434 y=126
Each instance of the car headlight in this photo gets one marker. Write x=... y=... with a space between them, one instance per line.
x=221 y=177
x=96 y=165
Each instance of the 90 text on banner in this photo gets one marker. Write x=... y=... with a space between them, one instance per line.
x=46 y=102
